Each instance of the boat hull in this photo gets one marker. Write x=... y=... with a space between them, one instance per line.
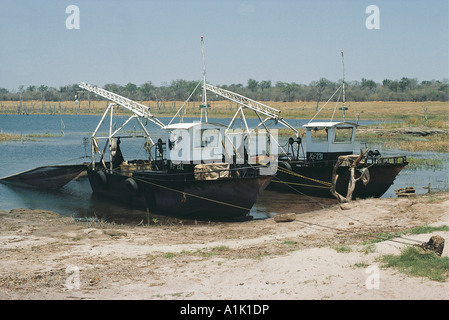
x=316 y=180
x=211 y=199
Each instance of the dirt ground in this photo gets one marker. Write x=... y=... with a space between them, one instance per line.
x=47 y=256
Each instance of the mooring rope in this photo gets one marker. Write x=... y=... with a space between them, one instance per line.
x=342 y=230
x=284 y=170
x=363 y=235
x=301 y=184
x=184 y=194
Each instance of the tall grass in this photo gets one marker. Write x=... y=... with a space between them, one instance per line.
x=380 y=237
x=419 y=263
x=436 y=143
x=4 y=136
x=368 y=110
x=387 y=137
x=9 y=136
x=429 y=163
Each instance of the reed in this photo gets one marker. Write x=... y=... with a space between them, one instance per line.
x=429 y=163
x=430 y=134
x=436 y=143
x=4 y=136
x=9 y=136
x=369 y=110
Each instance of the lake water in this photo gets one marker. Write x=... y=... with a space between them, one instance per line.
x=73 y=146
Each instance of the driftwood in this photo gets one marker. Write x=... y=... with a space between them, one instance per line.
x=435 y=243
x=352 y=162
x=405 y=192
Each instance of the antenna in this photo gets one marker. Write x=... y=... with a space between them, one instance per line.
x=204 y=106
x=343 y=71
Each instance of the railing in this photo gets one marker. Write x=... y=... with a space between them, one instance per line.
x=387 y=160
x=369 y=161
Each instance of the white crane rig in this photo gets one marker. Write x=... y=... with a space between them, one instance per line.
x=139 y=111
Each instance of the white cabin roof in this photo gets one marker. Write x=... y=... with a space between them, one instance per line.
x=188 y=125
x=329 y=124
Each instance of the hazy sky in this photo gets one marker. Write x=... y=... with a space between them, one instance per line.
x=278 y=40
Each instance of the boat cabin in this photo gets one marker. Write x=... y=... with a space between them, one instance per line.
x=195 y=142
x=329 y=140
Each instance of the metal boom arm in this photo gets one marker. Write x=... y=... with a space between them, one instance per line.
x=258 y=107
x=138 y=109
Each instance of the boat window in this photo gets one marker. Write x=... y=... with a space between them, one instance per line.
x=206 y=138
x=318 y=135
x=343 y=135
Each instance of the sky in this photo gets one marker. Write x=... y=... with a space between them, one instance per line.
x=278 y=40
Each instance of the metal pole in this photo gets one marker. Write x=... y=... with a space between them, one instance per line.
x=343 y=71
x=204 y=80
x=93 y=152
x=110 y=139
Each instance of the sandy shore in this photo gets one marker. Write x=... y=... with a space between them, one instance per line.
x=47 y=256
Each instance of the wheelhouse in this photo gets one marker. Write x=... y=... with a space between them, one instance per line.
x=329 y=140
x=195 y=142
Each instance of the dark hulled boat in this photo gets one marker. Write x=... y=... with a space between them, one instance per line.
x=328 y=166
x=188 y=173
x=181 y=193
x=325 y=143
x=194 y=171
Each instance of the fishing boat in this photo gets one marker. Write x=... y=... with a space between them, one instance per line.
x=323 y=162
x=207 y=170
x=184 y=174
x=330 y=168
x=326 y=164
x=194 y=170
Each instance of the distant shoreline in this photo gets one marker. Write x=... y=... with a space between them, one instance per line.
x=366 y=110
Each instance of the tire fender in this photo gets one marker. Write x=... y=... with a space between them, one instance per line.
x=101 y=178
x=285 y=165
x=131 y=185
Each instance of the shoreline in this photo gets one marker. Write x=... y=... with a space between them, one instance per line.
x=48 y=256
x=365 y=110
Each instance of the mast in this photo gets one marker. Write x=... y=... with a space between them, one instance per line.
x=343 y=72
x=204 y=106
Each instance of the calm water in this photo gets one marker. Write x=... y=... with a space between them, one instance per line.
x=69 y=146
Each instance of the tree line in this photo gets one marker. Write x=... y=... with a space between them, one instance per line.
x=405 y=89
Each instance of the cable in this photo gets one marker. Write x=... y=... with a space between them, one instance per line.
x=360 y=234
x=341 y=230
x=301 y=221
x=301 y=176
